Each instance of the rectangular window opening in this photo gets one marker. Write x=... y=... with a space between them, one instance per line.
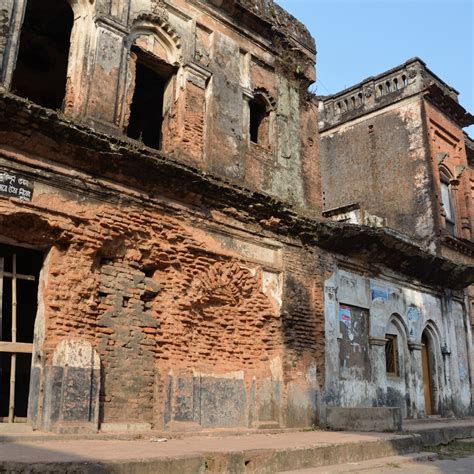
x=147 y=111
x=40 y=73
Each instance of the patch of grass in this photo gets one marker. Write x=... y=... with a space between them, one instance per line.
x=394 y=465
x=314 y=428
x=453 y=450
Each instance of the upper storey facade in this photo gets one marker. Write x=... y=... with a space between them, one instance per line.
x=220 y=85
x=393 y=145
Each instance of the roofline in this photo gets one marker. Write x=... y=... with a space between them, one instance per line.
x=413 y=60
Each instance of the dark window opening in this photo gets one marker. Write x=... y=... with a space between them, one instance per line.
x=152 y=79
x=391 y=354
x=41 y=68
x=19 y=275
x=259 y=121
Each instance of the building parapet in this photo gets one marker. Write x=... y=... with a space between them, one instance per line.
x=376 y=92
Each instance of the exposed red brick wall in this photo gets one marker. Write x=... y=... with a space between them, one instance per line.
x=184 y=129
x=303 y=310
x=259 y=163
x=152 y=296
x=447 y=137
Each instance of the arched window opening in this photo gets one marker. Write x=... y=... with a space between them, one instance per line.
x=346 y=105
x=447 y=202
x=259 y=121
x=395 y=84
x=405 y=80
x=381 y=90
x=41 y=69
x=359 y=96
x=389 y=87
x=153 y=86
x=339 y=108
x=353 y=102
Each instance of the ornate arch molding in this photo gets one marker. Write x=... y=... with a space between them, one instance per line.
x=431 y=329
x=400 y=324
x=446 y=172
x=157 y=25
x=267 y=97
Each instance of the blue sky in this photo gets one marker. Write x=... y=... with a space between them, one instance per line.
x=360 y=38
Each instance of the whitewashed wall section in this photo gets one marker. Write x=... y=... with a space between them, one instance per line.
x=393 y=307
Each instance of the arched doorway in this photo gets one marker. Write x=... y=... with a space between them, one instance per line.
x=427 y=360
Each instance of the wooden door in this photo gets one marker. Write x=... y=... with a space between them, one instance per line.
x=427 y=388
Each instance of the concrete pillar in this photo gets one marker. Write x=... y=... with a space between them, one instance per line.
x=379 y=370
x=417 y=380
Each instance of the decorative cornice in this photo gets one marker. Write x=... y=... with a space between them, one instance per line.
x=464 y=246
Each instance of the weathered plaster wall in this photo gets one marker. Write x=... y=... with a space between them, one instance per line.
x=380 y=161
x=222 y=54
x=359 y=311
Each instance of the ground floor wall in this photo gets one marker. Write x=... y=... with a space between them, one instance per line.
x=393 y=343
x=155 y=314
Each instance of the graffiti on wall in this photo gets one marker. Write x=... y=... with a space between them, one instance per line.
x=413 y=316
x=353 y=349
x=381 y=292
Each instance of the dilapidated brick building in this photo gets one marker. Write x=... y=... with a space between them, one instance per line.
x=393 y=154
x=163 y=262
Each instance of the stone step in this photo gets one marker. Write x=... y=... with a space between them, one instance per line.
x=434 y=432
x=15 y=428
x=372 y=465
x=211 y=455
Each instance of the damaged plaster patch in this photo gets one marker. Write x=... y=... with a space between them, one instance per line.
x=73 y=353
